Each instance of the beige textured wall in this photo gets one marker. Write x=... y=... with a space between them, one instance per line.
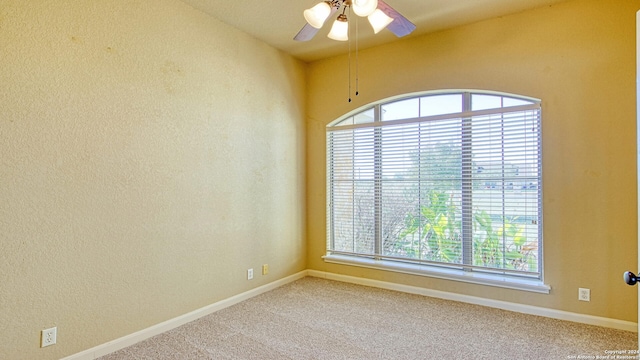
x=579 y=58
x=149 y=155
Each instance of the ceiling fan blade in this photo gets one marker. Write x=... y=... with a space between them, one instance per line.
x=400 y=25
x=308 y=32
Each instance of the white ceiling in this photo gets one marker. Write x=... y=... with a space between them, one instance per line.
x=277 y=22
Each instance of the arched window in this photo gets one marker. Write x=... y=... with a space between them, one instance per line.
x=439 y=183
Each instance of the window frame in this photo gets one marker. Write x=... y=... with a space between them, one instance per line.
x=465 y=272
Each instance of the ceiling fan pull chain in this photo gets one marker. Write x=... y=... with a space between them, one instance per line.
x=349 y=41
x=357 y=67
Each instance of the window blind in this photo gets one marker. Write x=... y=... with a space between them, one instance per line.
x=459 y=190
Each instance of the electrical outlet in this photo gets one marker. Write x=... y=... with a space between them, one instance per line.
x=584 y=294
x=48 y=337
x=265 y=269
x=249 y=274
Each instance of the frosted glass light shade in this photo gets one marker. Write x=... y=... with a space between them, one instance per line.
x=379 y=20
x=364 y=7
x=340 y=29
x=317 y=15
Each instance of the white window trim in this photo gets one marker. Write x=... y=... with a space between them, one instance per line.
x=479 y=278
x=488 y=278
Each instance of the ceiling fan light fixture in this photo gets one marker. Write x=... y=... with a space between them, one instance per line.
x=317 y=15
x=379 y=20
x=340 y=29
x=364 y=7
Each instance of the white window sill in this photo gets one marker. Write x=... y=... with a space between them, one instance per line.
x=497 y=280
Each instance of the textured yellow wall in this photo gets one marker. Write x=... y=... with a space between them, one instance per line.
x=149 y=155
x=579 y=58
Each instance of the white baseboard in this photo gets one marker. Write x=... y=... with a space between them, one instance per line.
x=526 y=309
x=128 y=340
x=144 y=334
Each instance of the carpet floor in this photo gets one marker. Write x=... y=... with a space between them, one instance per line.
x=320 y=319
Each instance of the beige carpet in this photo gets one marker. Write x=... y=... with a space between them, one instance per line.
x=320 y=319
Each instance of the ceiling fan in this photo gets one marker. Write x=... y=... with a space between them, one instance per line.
x=380 y=15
